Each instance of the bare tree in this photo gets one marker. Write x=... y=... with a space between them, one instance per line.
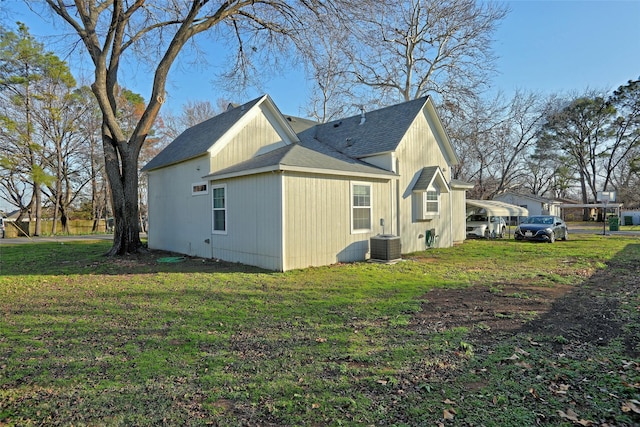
x=514 y=144
x=193 y=112
x=599 y=137
x=626 y=180
x=579 y=131
x=388 y=51
x=26 y=77
x=473 y=131
x=113 y=28
x=496 y=143
x=326 y=45
x=57 y=122
x=624 y=132
x=417 y=47
x=15 y=176
x=88 y=130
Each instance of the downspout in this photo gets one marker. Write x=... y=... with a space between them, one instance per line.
x=212 y=236
x=397 y=198
x=391 y=221
x=283 y=262
x=451 y=239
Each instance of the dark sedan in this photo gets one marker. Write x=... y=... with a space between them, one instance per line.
x=545 y=228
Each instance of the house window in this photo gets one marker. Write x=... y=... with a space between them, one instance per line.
x=432 y=202
x=428 y=203
x=360 y=207
x=199 y=188
x=219 y=209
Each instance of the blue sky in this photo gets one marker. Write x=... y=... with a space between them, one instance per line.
x=543 y=46
x=562 y=46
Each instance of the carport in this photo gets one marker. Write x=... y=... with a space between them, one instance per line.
x=496 y=208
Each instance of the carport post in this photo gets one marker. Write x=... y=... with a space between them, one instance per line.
x=604 y=216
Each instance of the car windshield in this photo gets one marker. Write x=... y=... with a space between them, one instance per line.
x=477 y=218
x=539 y=220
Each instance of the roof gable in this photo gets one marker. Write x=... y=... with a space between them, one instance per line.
x=428 y=176
x=379 y=131
x=213 y=134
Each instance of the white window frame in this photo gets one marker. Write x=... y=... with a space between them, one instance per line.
x=214 y=209
x=428 y=201
x=195 y=192
x=353 y=207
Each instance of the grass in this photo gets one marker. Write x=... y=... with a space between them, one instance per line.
x=86 y=340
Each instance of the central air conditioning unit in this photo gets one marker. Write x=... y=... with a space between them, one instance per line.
x=385 y=247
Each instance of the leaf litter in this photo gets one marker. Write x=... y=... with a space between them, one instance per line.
x=570 y=324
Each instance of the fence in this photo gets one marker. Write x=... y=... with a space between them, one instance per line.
x=76 y=227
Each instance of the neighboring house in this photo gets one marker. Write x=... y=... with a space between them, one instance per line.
x=13 y=228
x=257 y=187
x=536 y=205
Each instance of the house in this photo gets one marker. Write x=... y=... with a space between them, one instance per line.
x=536 y=205
x=11 y=227
x=257 y=187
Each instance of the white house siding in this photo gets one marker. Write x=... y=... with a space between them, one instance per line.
x=459 y=215
x=317 y=225
x=179 y=221
x=385 y=161
x=634 y=215
x=257 y=134
x=417 y=150
x=534 y=205
x=254 y=222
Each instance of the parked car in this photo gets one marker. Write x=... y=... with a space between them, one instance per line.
x=545 y=228
x=480 y=225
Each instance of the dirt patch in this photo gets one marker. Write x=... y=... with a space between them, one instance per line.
x=158 y=260
x=486 y=310
x=593 y=311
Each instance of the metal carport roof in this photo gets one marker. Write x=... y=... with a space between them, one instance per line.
x=495 y=208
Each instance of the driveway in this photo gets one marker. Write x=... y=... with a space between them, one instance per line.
x=597 y=228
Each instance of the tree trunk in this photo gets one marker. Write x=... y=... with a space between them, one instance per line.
x=64 y=220
x=95 y=223
x=586 y=214
x=123 y=181
x=96 y=211
x=37 y=192
x=56 y=208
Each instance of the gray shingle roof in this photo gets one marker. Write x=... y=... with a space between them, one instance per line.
x=426 y=177
x=381 y=131
x=298 y=156
x=333 y=146
x=298 y=124
x=196 y=140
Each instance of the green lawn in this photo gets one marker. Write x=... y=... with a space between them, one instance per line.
x=88 y=340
